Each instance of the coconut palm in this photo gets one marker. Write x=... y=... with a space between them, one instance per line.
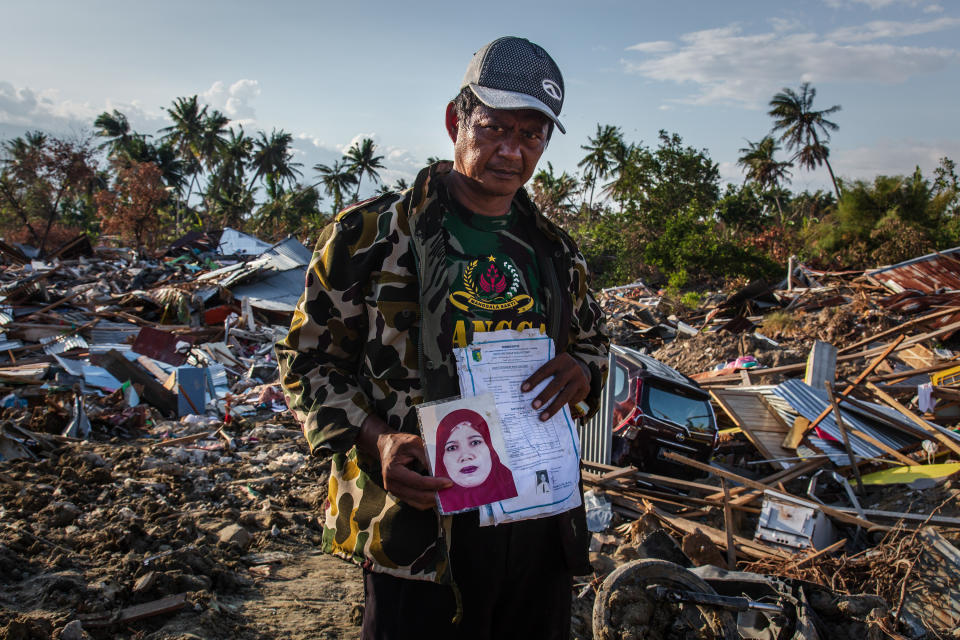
x=273 y=161
x=186 y=135
x=116 y=129
x=336 y=180
x=760 y=167
x=553 y=194
x=600 y=157
x=362 y=160
x=803 y=130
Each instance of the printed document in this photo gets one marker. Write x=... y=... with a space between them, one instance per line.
x=544 y=456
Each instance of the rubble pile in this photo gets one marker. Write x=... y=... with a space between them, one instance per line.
x=829 y=506
x=154 y=487
x=151 y=480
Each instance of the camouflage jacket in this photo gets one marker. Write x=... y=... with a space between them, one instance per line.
x=371 y=334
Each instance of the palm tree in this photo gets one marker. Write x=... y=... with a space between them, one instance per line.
x=213 y=138
x=186 y=135
x=553 y=194
x=362 y=160
x=273 y=160
x=116 y=129
x=226 y=191
x=434 y=160
x=336 y=179
x=401 y=185
x=804 y=130
x=760 y=167
x=623 y=159
x=601 y=149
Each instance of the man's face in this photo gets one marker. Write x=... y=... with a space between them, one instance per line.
x=498 y=149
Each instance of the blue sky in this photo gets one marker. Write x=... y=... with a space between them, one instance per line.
x=330 y=73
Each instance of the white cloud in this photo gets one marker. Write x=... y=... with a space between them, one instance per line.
x=726 y=66
x=657 y=46
x=885 y=29
x=893 y=157
x=234 y=101
x=875 y=4
x=25 y=108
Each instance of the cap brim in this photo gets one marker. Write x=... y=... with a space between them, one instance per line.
x=500 y=99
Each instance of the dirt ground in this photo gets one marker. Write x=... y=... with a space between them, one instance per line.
x=101 y=526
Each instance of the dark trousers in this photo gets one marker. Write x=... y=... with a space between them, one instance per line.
x=512 y=579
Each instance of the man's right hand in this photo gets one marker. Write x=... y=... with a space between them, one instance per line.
x=400 y=455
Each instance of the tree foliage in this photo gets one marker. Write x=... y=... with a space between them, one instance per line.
x=132 y=209
x=41 y=178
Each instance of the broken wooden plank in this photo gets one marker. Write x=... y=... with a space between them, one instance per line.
x=898 y=329
x=794 y=437
x=843 y=435
x=151 y=609
x=729 y=475
x=745 y=546
x=760 y=423
x=123 y=370
x=920 y=422
x=728 y=527
x=817 y=554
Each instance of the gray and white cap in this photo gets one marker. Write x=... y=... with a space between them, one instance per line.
x=514 y=73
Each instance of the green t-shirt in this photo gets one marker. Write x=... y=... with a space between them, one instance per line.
x=496 y=280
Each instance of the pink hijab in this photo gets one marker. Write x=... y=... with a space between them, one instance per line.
x=499 y=484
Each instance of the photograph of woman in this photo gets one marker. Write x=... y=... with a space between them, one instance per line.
x=466 y=455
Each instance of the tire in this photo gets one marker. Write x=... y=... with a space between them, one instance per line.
x=624 y=611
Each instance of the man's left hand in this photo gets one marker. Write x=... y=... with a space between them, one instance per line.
x=570 y=384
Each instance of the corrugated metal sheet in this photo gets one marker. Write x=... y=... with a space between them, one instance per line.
x=293 y=250
x=112 y=332
x=596 y=436
x=233 y=242
x=277 y=291
x=106 y=347
x=927 y=273
x=59 y=344
x=810 y=403
x=6 y=345
x=834 y=451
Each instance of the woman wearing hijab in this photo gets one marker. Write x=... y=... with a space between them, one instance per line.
x=465 y=454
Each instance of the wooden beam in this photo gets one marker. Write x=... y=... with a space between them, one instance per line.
x=795 y=437
x=898 y=329
x=729 y=475
x=123 y=370
x=728 y=527
x=920 y=422
x=813 y=556
x=843 y=436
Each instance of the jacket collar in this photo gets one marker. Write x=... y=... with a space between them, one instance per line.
x=429 y=191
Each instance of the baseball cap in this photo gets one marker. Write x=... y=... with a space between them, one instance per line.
x=514 y=73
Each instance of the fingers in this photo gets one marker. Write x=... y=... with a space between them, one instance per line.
x=411 y=487
x=400 y=455
x=570 y=384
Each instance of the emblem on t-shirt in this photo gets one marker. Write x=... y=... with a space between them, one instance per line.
x=493 y=284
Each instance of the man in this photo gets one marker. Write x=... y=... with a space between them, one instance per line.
x=395 y=284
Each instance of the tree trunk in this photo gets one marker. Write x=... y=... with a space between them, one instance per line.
x=832 y=178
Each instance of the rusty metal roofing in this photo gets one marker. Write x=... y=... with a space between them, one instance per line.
x=927 y=274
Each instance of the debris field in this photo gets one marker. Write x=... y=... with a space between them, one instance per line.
x=153 y=485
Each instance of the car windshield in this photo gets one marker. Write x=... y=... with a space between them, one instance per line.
x=690 y=412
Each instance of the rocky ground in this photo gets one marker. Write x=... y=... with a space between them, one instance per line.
x=103 y=526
